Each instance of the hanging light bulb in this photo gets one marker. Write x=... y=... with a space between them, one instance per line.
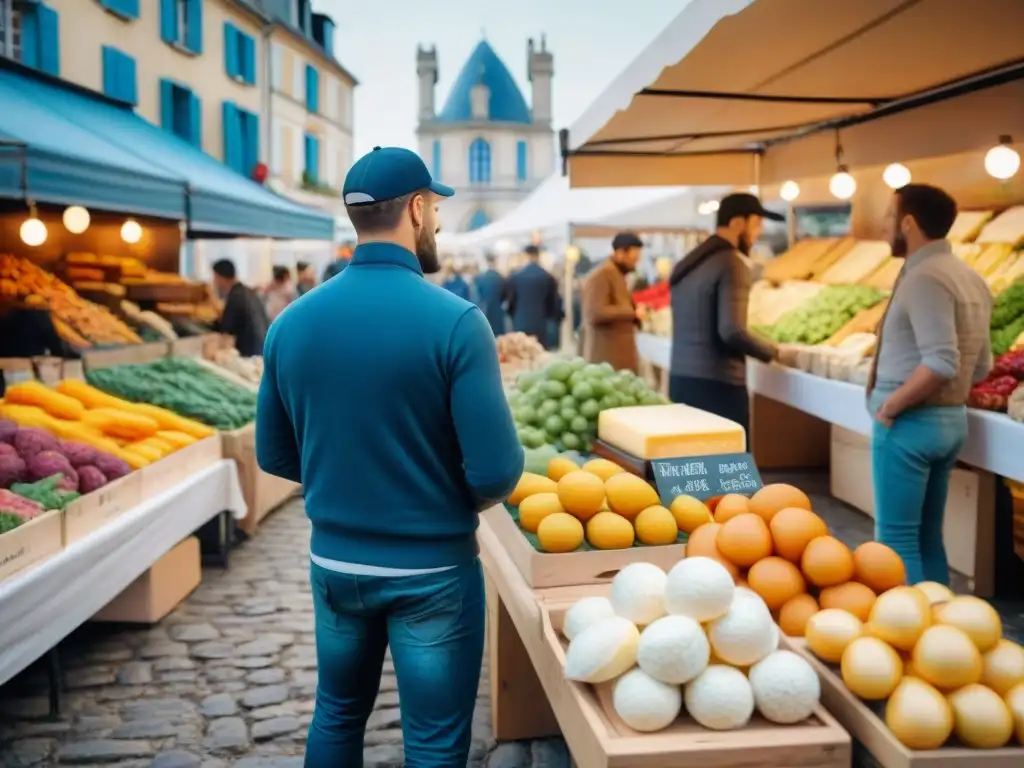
x=76 y=219
x=712 y=206
x=32 y=231
x=131 y=232
x=1002 y=161
x=842 y=184
x=789 y=191
x=896 y=176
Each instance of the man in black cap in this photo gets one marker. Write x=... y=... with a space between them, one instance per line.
x=609 y=316
x=532 y=296
x=710 y=289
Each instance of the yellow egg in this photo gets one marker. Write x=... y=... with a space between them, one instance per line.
x=982 y=719
x=935 y=592
x=629 y=495
x=975 y=617
x=946 y=658
x=899 y=616
x=535 y=508
x=690 y=513
x=656 y=526
x=871 y=669
x=559 y=532
x=607 y=530
x=559 y=467
x=829 y=632
x=1003 y=667
x=1015 y=701
x=918 y=715
x=602 y=468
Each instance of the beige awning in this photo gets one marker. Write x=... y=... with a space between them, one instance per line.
x=745 y=91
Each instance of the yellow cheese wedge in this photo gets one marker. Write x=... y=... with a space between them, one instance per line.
x=669 y=431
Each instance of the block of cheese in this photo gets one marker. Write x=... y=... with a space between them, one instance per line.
x=669 y=431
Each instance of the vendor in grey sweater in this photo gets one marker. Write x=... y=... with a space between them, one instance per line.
x=710 y=289
x=933 y=344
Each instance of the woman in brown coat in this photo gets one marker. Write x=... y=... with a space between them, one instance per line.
x=609 y=316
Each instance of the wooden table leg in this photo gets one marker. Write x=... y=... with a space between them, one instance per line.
x=519 y=706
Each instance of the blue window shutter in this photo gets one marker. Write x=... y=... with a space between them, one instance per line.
x=312 y=89
x=49 y=39
x=437 y=160
x=127 y=80
x=167 y=105
x=30 y=37
x=128 y=9
x=521 y=160
x=195 y=108
x=316 y=158
x=195 y=26
x=252 y=143
x=232 y=136
x=110 y=72
x=231 y=40
x=169 y=21
x=248 y=59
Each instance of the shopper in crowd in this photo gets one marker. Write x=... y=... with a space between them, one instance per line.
x=341 y=260
x=305 y=280
x=609 y=317
x=399 y=431
x=456 y=283
x=490 y=291
x=933 y=344
x=710 y=289
x=244 y=315
x=280 y=293
x=532 y=298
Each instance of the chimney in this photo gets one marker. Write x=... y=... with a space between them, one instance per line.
x=540 y=70
x=427 y=72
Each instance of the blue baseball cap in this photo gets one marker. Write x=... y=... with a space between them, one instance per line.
x=387 y=173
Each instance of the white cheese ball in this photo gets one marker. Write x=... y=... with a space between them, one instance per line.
x=786 y=688
x=646 y=704
x=744 y=635
x=602 y=651
x=638 y=593
x=700 y=588
x=673 y=649
x=720 y=698
x=585 y=612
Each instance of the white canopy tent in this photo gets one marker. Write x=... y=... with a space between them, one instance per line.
x=884 y=80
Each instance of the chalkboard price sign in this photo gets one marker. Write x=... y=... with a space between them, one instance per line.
x=706 y=477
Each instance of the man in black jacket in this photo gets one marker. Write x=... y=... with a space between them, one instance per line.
x=244 y=315
x=710 y=289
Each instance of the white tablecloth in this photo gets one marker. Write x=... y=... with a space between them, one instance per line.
x=44 y=604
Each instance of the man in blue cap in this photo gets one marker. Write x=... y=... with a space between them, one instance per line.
x=391 y=414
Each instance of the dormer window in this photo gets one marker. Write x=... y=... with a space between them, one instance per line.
x=480 y=102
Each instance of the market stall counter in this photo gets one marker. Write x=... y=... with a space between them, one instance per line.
x=531 y=697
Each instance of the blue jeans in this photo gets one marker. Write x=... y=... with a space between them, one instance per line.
x=911 y=462
x=434 y=624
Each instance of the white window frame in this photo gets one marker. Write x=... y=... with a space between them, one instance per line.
x=276 y=66
x=298 y=86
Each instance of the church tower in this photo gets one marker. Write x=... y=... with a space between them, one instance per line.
x=426 y=70
x=540 y=65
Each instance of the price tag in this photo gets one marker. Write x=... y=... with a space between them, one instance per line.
x=706 y=477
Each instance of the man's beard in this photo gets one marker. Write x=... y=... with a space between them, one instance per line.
x=899 y=245
x=426 y=252
x=743 y=244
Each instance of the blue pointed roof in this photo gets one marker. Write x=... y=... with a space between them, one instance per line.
x=507 y=104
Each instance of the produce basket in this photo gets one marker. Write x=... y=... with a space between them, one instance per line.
x=30 y=543
x=586 y=565
x=866 y=724
x=598 y=738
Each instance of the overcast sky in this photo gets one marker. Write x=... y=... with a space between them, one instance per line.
x=376 y=40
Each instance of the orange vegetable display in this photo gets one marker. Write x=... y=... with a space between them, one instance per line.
x=41 y=396
x=122 y=424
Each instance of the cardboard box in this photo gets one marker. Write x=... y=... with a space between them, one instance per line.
x=159 y=590
x=94 y=510
x=263 y=493
x=169 y=471
x=541 y=570
x=30 y=543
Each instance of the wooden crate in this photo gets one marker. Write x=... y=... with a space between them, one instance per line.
x=30 y=543
x=94 y=510
x=865 y=725
x=598 y=737
x=541 y=570
x=166 y=473
x=127 y=355
x=263 y=493
x=202 y=346
x=160 y=589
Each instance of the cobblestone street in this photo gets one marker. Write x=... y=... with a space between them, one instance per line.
x=227 y=679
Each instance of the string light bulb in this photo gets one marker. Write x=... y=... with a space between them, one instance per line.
x=131 y=232
x=789 y=191
x=32 y=231
x=896 y=176
x=842 y=184
x=1002 y=161
x=76 y=219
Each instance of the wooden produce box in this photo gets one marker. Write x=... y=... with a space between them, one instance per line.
x=866 y=724
x=969 y=524
x=94 y=510
x=130 y=354
x=159 y=590
x=541 y=570
x=263 y=493
x=203 y=346
x=166 y=473
x=227 y=375
x=598 y=738
x=30 y=543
